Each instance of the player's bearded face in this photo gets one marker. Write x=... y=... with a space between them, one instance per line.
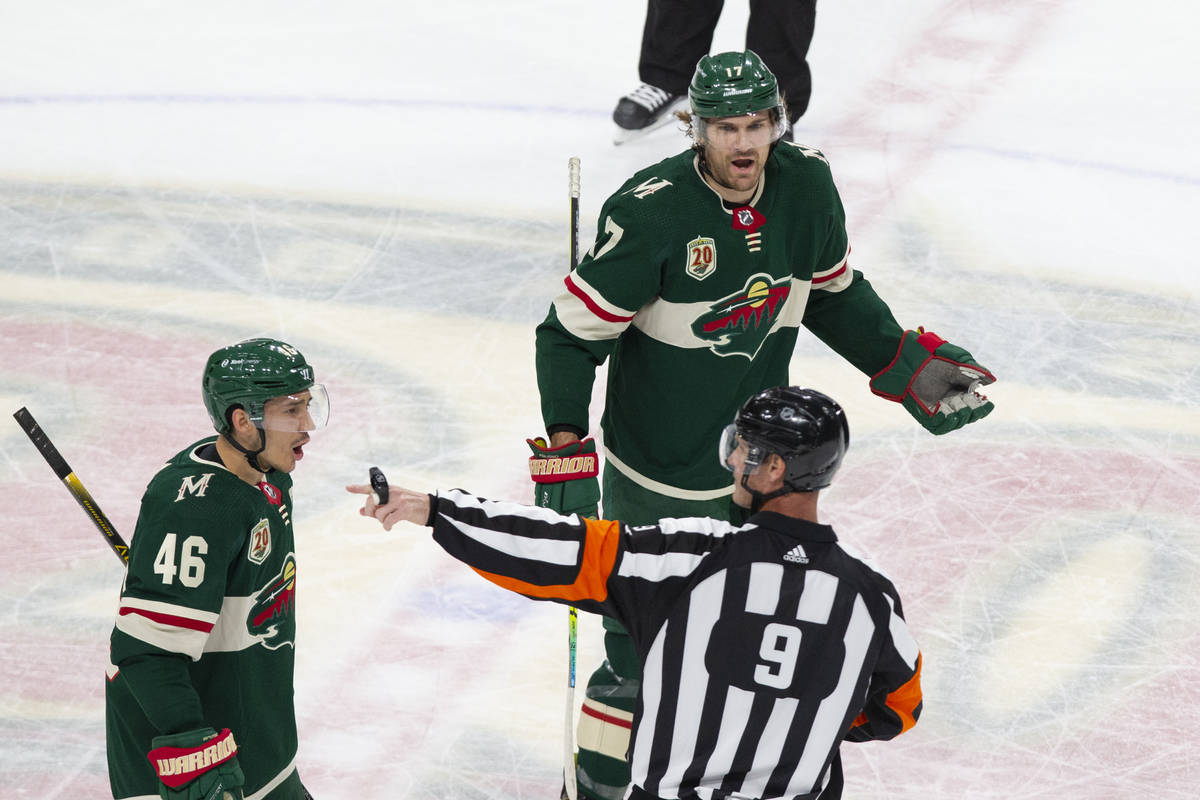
x=736 y=148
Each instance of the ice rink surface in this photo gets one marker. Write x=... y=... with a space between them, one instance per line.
x=384 y=185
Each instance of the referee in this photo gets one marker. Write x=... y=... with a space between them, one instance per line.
x=762 y=646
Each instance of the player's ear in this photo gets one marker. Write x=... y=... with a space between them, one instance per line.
x=240 y=421
x=776 y=467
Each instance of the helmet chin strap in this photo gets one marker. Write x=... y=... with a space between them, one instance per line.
x=759 y=499
x=704 y=161
x=251 y=455
x=704 y=170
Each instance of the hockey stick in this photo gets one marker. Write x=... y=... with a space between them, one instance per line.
x=573 y=183
x=59 y=464
x=569 y=786
x=570 y=789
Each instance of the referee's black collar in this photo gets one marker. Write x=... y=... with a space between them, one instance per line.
x=793 y=526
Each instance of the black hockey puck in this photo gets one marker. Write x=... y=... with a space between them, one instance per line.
x=379 y=485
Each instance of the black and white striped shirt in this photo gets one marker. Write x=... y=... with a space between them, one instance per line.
x=762 y=647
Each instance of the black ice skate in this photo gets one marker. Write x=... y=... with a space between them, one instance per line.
x=644 y=109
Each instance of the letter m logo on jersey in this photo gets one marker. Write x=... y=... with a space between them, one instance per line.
x=737 y=325
x=192 y=485
x=647 y=188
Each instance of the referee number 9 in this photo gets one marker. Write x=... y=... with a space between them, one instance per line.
x=779 y=649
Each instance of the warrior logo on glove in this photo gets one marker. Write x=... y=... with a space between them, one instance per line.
x=565 y=477
x=563 y=468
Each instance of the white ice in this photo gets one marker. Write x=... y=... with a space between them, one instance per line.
x=384 y=185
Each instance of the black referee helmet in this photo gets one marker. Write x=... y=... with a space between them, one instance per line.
x=805 y=428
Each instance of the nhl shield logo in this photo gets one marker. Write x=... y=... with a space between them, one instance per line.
x=748 y=219
x=701 y=257
x=260 y=542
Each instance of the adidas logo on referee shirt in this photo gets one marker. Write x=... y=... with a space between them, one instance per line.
x=797 y=555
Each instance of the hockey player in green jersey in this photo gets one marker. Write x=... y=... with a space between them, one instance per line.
x=199 y=692
x=705 y=266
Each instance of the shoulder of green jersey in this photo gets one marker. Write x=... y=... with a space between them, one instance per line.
x=656 y=181
x=806 y=151
x=647 y=187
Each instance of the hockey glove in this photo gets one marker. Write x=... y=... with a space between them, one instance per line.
x=936 y=381
x=197 y=765
x=564 y=478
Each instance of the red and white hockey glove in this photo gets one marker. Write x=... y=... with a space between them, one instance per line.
x=936 y=381
x=564 y=478
x=197 y=765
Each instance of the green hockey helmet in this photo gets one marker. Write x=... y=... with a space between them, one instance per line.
x=732 y=84
x=251 y=372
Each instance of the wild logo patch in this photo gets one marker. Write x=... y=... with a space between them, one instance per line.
x=701 y=257
x=260 y=542
x=272 y=616
x=739 y=324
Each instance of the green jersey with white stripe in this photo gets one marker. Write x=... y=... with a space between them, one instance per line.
x=205 y=632
x=696 y=306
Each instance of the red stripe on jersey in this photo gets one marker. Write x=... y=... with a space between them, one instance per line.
x=591 y=304
x=611 y=720
x=169 y=619
x=831 y=276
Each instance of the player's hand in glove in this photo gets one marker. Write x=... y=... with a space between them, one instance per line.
x=197 y=765
x=564 y=478
x=936 y=381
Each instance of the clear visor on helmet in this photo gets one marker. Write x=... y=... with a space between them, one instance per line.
x=729 y=443
x=743 y=132
x=307 y=410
